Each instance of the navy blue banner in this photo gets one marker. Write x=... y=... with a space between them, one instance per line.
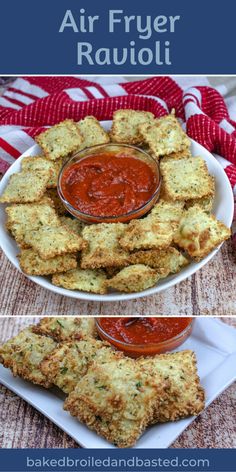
x=118 y=37
x=64 y=460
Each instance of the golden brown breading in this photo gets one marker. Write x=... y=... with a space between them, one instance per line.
x=22 y=218
x=32 y=264
x=199 y=233
x=147 y=233
x=185 y=179
x=125 y=125
x=92 y=132
x=103 y=248
x=86 y=280
x=166 y=261
x=60 y=140
x=52 y=241
x=185 y=396
x=25 y=187
x=135 y=278
x=35 y=163
x=168 y=212
x=39 y=162
x=116 y=399
x=69 y=362
x=164 y=136
x=66 y=328
x=23 y=354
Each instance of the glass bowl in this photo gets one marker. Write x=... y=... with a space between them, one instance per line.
x=145 y=349
x=115 y=149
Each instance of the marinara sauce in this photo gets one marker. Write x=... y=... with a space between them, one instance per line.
x=108 y=184
x=145 y=335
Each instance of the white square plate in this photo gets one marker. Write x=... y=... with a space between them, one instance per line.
x=215 y=346
x=223 y=209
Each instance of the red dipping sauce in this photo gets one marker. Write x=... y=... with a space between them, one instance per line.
x=108 y=184
x=145 y=335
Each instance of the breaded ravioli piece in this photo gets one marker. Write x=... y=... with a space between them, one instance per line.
x=185 y=395
x=22 y=218
x=199 y=233
x=23 y=354
x=69 y=362
x=168 y=212
x=32 y=264
x=125 y=125
x=52 y=241
x=116 y=400
x=87 y=280
x=60 y=140
x=25 y=187
x=164 y=136
x=103 y=249
x=66 y=328
x=147 y=233
x=166 y=261
x=185 y=179
x=92 y=132
x=73 y=224
x=135 y=278
x=35 y=163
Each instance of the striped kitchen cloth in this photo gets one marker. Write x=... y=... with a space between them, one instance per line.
x=29 y=104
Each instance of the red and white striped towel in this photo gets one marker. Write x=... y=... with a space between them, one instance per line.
x=32 y=103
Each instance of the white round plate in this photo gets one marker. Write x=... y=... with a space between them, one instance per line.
x=223 y=210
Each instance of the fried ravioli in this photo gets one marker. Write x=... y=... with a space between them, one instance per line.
x=92 y=132
x=147 y=233
x=69 y=362
x=185 y=396
x=164 y=136
x=23 y=354
x=66 y=328
x=32 y=264
x=186 y=179
x=134 y=278
x=60 y=140
x=25 y=187
x=165 y=261
x=199 y=233
x=52 y=241
x=125 y=125
x=42 y=163
x=86 y=280
x=116 y=399
x=168 y=212
x=22 y=218
x=103 y=248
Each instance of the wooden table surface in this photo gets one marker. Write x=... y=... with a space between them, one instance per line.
x=211 y=291
x=21 y=426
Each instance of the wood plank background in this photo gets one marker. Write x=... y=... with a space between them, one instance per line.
x=211 y=291
x=21 y=426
